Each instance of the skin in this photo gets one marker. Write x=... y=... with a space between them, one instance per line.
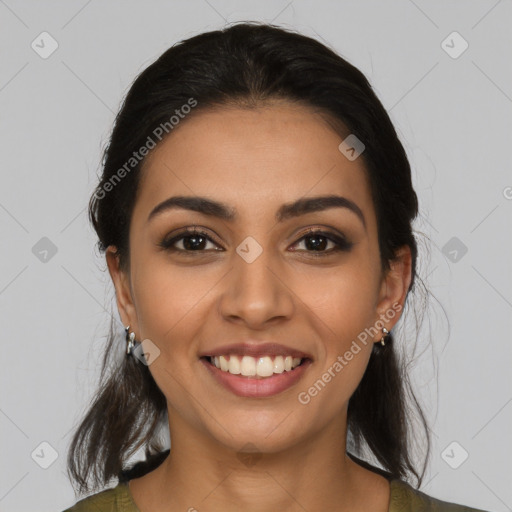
x=255 y=160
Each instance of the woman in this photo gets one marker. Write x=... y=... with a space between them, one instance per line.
x=255 y=211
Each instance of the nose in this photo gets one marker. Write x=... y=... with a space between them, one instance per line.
x=256 y=292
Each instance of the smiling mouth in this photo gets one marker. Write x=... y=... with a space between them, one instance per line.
x=257 y=367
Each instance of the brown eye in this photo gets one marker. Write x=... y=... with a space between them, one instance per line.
x=193 y=240
x=317 y=241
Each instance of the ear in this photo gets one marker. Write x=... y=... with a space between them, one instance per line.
x=123 y=289
x=395 y=285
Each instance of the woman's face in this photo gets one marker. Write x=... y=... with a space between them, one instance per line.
x=254 y=279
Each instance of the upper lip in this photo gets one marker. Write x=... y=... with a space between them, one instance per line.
x=255 y=349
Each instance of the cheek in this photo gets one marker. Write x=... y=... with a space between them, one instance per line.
x=169 y=304
x=343 y=304
x=344 y=300
x=166 y=299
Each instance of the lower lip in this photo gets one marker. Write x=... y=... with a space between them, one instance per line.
x=257 y=388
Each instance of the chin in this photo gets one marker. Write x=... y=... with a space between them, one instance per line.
x=262 y=433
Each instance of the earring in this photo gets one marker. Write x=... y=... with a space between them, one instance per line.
x=385 y=334
x=130 y=340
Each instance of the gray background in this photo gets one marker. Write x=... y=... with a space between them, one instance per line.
x=452 y=114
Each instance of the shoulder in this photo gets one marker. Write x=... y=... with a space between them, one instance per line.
x=117 y=499
x=404 y=498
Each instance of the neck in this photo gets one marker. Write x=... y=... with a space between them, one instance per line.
x=314 y=474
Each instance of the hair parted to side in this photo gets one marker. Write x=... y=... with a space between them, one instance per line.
x=246 y=65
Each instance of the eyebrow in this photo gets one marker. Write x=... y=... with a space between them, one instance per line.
x=287 y=211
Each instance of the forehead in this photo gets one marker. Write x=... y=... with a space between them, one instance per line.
x=255 y=159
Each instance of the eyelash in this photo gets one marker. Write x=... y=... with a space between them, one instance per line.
x=341 y=244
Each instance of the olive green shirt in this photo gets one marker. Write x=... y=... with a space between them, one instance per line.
x=404 y=498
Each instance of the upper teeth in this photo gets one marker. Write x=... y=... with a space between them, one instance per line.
x=261 y=366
